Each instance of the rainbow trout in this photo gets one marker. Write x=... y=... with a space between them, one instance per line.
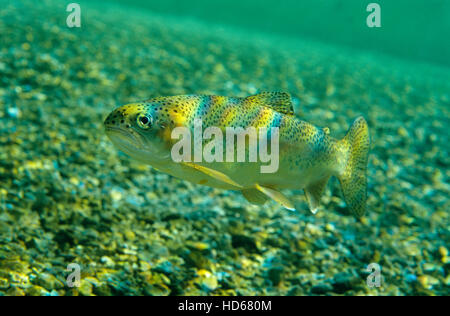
x=216 y=141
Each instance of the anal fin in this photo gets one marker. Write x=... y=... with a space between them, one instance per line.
x=276 y=196
x=254 y=196
x=314 y=192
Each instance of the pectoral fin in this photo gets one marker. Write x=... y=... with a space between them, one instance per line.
x=276 y=196
x=254 y=196
x=212 y=173
x=314 y=192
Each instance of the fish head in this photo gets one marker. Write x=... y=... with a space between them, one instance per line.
x=135 y=129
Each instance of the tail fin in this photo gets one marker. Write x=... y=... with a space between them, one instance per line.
x=353 y=177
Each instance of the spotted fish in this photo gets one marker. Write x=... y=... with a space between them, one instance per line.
x=308 y=155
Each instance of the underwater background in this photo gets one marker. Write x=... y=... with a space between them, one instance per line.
x=68 y=196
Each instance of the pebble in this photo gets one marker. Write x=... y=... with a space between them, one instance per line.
x=207 y=280
x=4 y=284
x=322 y=288
x=48 y=281
x=85 y=288
x=107 y=261
x=427 y=281
x=13 y=112
x=68 y=196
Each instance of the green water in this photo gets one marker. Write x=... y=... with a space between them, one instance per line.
x=410 y=29
x=68 y=196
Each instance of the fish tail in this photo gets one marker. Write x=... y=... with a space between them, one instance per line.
x=353 y=177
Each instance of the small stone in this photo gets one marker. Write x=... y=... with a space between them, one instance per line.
x=344 y=282
x=37 y=290
x=412 y=250
x=93 y=281
x=107 y=261
x=322 y=288
x=303 y=245
x=144 y=265
x=26 y=46
x=296 y=291
x=402 y=131
x=157 y=290
x=130 y=235
x=85 y=288
x=243 y=241
x=116 y=194
x=429 y=267
x=207 y=280
x=15 y=291
x=447 y=280
x=19 y=279
x=427 y=281
x=48 y=281
x=330 y=227
x=165 y=267
x=275 y=275
x=198 y=245
x=443 y=251
x=4 y=284
x=313 y=229
x=411 y=278
x=13 y=112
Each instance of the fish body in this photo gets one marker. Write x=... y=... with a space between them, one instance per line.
x=307 y=155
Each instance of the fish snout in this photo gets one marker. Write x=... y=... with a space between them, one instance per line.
x=116 y=119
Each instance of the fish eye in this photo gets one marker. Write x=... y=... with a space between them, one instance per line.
x=144 y=121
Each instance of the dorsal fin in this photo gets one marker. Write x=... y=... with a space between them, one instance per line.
x=278 y=101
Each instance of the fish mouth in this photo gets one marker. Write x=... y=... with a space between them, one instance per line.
x=134 y=144
x=124 y=139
